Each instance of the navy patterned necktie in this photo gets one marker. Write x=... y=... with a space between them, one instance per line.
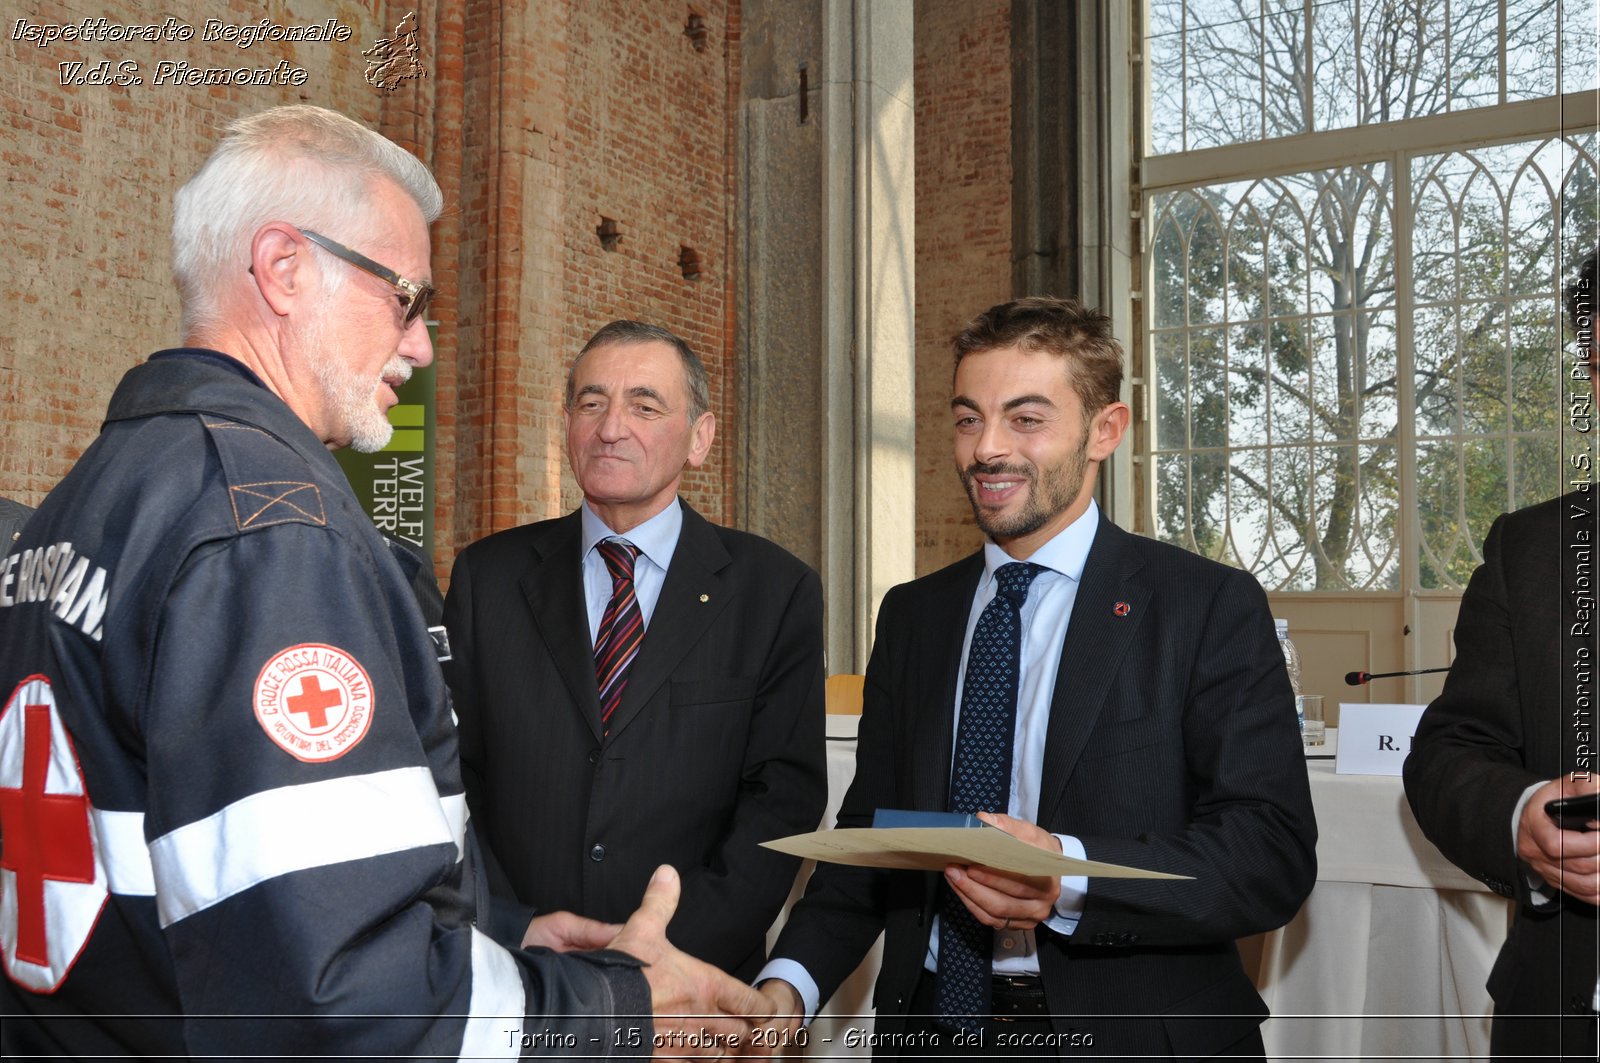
x=980 y=781
x=616 y=643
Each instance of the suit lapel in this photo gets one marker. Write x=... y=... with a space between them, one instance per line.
x=1105 y=617
x=692 y=597
x=934 y=707
x=553 y=587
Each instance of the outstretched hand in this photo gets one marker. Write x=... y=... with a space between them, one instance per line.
x=788 y=1012
x=699 y=1010
x=564 y=931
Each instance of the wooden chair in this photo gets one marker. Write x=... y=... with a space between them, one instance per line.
x=843 y=694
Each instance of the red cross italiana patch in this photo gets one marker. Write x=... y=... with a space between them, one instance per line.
x=315 y=701
x=52 y=880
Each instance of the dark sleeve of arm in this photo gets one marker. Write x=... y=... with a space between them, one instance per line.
x=499 y=915
x=461 y=677
x=333 y=889
x=831 y=928
x=418 y=567
x=1250 y=837
x=783 y=790
x=1465 y=772
x=461 y=674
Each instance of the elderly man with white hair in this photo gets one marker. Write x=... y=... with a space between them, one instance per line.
x=230 y=807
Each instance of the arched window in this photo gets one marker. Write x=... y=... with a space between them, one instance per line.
x=1357 y=219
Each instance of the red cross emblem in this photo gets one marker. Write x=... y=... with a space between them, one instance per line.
x=314 y=700
x=46 y=841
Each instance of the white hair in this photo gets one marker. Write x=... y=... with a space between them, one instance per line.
x=305 y=165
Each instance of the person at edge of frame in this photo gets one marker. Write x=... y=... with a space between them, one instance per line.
x=1514 y=729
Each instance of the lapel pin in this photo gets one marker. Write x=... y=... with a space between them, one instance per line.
x=704 y=598
x=1122 y=608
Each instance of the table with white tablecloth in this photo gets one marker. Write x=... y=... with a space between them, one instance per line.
x=840 y=1026
x=1388 y=956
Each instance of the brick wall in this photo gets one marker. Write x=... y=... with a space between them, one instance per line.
x=647 y=147
x=558 y=115
x=539 y=120
x=963 y=185
x=89 y=176
x=536 y=118
x=574 y=112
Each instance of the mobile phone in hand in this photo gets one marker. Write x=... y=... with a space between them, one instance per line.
x=1574 y=813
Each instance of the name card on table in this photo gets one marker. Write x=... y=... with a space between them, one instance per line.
x=1374 y=739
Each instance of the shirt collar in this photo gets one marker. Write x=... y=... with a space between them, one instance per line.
x=217 y=358
x=656 y=538
x=1066 y=553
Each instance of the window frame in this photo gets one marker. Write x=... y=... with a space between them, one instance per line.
x=1396 y=144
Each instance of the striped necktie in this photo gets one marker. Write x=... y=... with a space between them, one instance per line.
x=616 y=644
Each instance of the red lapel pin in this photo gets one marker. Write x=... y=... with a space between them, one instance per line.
x=1122 y=608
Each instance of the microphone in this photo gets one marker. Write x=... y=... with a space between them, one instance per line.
x=1357 y=679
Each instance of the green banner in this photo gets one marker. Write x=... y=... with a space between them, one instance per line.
x=395 y=485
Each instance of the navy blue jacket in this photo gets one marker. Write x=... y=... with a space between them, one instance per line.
x=228 y=772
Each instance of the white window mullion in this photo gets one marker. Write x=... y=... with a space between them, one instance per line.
x=1406 y=397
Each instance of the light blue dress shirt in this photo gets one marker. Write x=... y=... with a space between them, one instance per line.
x=656 y=539
x=1045 y=614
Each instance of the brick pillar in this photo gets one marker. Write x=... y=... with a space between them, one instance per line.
x=964 y=235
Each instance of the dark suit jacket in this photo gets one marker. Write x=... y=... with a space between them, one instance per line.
x=1172 y=745
x=716 y=747
x=13 y=515
x=1526 y=652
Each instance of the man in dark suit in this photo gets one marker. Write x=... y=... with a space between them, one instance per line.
x=635 y=685
x=1153 y=726
x=1513 y=729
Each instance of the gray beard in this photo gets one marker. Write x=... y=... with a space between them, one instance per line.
x=351 y=400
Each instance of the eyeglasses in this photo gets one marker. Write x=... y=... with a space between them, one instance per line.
x=414 y=297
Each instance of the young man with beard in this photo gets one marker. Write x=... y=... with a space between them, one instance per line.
x=1091 y=692
x=230 y=807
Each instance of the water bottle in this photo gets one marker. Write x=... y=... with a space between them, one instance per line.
x=1291 y=656
x=1291 y=661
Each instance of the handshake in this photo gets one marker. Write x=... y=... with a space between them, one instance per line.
x=699 y=1011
